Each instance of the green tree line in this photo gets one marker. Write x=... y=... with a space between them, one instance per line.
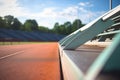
x=10 y=22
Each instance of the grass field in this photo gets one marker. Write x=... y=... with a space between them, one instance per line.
x=16 y=43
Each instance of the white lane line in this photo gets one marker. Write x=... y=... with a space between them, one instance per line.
x=9 y=55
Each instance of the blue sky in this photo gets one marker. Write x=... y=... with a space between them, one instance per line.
x=47 y=12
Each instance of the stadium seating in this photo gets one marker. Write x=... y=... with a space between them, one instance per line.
x=17 y=35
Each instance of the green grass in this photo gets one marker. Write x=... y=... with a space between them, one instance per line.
x=17 y=43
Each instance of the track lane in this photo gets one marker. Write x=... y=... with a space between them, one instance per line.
x=38 y=62
x=10 y=49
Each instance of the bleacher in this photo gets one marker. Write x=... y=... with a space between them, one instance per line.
x=86 y=54
x=17 y=35
x=110 y=32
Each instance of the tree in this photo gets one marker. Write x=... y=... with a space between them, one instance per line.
x=76 y=25
x=35 y=25
x=16 y=24
x=2 y=23
x=43 y=29
x=9 y=20
x=56 y=28
x=68 y=27
x=30 y=25
x=62 y=29
x=27 y=25
x=59 y=29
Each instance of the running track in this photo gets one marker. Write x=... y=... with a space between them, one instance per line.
x=30 y=62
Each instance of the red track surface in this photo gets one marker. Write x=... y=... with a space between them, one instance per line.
x=32 y=62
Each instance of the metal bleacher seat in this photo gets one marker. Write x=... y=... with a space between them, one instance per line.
x=43 y=35
x=82 y=59
x=4 y=37
x=12 y=34
x=110 y=32
x=38 y=37
x=17 y=35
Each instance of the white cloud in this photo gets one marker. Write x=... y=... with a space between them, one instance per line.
x=73 y=12
x=48 y=12
x=9 y=7
x=85 y=4
x=49 y=15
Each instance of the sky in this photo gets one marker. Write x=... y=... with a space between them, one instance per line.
x=48 y=12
